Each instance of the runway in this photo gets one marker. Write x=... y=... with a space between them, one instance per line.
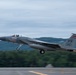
x=37 y=71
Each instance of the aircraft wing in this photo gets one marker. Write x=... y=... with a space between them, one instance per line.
x=51 y=45
x=34 y=41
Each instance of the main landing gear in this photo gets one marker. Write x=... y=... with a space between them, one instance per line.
x=42 y=51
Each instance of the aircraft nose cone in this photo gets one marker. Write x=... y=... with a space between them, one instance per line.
x=2 y=38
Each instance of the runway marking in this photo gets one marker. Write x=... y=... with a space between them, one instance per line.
x=38 y=73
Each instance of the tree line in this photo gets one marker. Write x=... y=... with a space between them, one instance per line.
x=33 y=58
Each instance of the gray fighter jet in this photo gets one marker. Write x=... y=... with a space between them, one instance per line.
x=69 y=45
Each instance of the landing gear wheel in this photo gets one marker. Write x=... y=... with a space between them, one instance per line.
x=42 y=51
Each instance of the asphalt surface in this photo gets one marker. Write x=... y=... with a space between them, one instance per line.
x=37 y=71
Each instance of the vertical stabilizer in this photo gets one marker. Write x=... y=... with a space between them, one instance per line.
x=70 y=43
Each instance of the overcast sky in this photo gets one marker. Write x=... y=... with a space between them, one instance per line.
x=38 y=18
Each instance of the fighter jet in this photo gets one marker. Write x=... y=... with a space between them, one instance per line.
x=68 y=45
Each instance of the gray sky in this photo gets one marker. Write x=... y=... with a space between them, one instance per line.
x=38 y=18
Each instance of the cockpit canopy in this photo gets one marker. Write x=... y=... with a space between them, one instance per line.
x=15 y=35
